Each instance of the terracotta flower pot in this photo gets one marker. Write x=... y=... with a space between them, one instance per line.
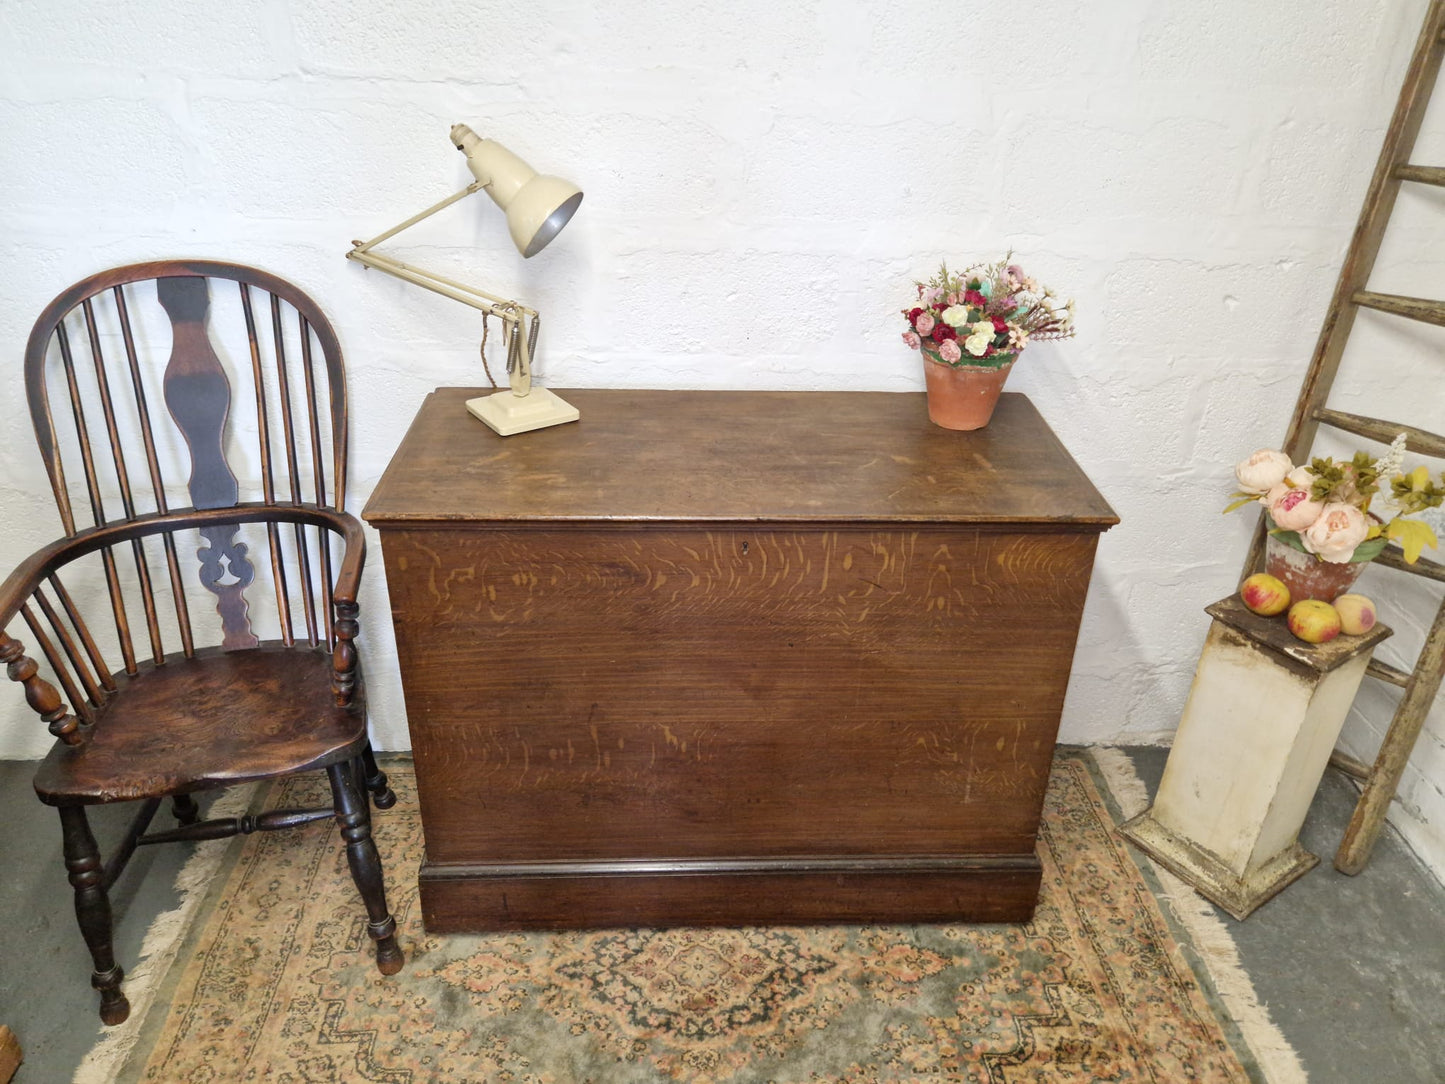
x=963 y=396
x=1306 y=575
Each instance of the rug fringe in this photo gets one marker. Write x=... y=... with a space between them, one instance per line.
x=1277 y=1058
x=160 y=947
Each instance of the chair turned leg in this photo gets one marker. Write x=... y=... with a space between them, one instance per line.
x=92 y=909
x=185 y=809
x=354 y=818
x=382 y=796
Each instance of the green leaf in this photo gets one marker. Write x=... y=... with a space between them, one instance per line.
x=1289 y=538
x=1368 y=551
x=1248 y=499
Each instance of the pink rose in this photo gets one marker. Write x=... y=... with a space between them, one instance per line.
x=949 y=351
x=924 y=323
x=1340 y=528
x=1262 y=471
x=1292 y=509
x=911 y=338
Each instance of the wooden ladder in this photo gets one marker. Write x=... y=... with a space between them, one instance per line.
x=1311 y=411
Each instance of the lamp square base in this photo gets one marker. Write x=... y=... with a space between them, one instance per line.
x=508 y=414
x=1209 y=875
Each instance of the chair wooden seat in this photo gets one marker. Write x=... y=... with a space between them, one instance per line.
x=239 y=716
x=151 y=698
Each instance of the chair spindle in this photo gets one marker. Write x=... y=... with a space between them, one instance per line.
x=97 y=660
x=82 y=431
x=318 y=474
x=293 y=473
x=93 y=692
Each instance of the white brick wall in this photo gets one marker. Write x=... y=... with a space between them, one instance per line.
x=763 y=182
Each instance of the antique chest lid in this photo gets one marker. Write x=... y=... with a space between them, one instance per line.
x=736 y=456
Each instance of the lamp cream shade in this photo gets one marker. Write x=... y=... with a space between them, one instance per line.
x=537 y=205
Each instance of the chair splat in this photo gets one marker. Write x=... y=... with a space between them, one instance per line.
x=199 y=398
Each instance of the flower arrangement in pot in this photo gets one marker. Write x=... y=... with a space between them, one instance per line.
x=1330 y=519
x=971 y=328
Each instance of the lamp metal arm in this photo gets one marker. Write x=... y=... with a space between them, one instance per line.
x=362 y=246
x=490 y=304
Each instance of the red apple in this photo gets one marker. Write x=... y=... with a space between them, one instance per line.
x=1264 y=595
x=1357 y=614
x=1313 y=621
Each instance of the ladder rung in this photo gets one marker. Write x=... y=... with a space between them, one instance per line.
x=1356 y=769
x=1423 y=174
x=1393 y=558
x=1377 y=429
x=1412 y=308
x=1385 y=672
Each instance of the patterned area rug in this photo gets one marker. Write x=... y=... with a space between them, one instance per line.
x=276 y=983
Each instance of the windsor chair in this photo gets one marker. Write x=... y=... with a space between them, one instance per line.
x=196 y=714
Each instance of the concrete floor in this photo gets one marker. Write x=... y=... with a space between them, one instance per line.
x=1352 y=969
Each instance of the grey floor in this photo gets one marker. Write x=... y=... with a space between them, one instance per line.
x=1351 y=968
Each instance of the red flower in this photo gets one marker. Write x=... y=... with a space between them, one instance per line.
x=974 y=298
x=942 y=331
x=913 y=315
x=999 y=326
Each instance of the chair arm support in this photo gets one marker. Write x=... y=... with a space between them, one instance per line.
x=343 y=654
x=39 y=693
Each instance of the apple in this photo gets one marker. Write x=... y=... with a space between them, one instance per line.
x=1264 y=595
x=1357 y=614
x=1313 y=621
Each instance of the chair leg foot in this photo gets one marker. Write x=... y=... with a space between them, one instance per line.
x=382 y=796
x=92 y=910
x=114 y=1007
x=355 y=821
x=389 y=958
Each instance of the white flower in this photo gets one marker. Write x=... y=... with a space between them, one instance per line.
x=1262 y=471
x=1334 y=536
x=1389 y=465
x=956 y=315
x=1393 y=461
x=978 y=341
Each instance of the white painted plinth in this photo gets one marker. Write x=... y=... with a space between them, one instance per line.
x=1261 y=721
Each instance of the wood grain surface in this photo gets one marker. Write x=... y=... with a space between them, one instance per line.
x=671 y=705
x=733 y=455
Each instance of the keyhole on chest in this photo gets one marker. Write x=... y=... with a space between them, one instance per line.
x=745 y=549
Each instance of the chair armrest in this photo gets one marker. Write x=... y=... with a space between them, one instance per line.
x=27 y=577
x=29 y=574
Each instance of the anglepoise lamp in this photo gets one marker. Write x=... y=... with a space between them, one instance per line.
x=537 y=207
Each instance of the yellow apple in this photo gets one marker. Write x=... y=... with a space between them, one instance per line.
x=1313 y=621
x=1264 y=595
x=1357 y=614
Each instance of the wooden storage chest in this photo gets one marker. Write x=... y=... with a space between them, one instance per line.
x=733 y=657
